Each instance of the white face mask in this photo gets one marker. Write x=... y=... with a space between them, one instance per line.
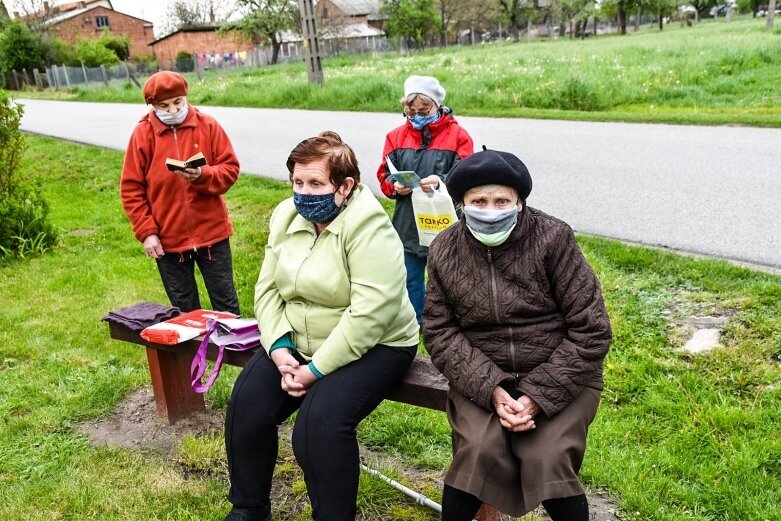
x=173 y=119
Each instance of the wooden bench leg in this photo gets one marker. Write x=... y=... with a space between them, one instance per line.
x=487 y=513
x=171 y=384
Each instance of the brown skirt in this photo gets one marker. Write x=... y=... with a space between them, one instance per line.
x=515 y=472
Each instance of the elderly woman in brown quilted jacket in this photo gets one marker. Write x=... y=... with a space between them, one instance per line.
x=514 y=318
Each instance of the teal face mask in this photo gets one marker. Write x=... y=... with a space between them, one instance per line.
x=492 y=239
x=491 y=227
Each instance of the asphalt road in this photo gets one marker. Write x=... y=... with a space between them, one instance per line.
x=714 y=191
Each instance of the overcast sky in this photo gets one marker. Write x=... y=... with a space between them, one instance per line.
x=151 y=10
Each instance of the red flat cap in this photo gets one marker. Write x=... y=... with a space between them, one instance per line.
x=164 y=85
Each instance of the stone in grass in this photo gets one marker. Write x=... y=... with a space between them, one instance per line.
x=703 y=341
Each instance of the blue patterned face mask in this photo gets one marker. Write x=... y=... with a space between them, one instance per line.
x=317 y=208
x=419 y=121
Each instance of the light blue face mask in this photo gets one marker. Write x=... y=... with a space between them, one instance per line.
x=173 y=119
x=419 y=121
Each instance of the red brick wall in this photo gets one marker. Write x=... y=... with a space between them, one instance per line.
x=197 y=42
x=85 y=26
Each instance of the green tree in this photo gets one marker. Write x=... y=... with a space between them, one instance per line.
x=463 y=14
x=264 y=20
x=617 y=8
x=24 y=225
x=119 y=44
x=4 y=18
x=414 y=20
x=92 y=53
x=57 y=52
x=20 y=48
x=511 y=11
x=662 y=9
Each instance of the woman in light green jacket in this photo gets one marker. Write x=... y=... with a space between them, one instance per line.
x=338 y=330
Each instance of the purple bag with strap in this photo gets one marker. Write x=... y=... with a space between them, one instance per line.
x=237 y=334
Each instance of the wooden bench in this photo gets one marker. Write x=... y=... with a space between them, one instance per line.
x=169 y=368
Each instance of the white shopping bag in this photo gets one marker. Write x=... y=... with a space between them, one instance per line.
x=434 y=212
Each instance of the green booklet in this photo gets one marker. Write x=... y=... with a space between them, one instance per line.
x=407 y=178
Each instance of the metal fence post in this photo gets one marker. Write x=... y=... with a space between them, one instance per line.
x=84 y=71
x=16 y=80
x=38 y=82
x=103 y=74
x=65 y=73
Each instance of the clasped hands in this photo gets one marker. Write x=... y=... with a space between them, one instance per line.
x=296 y=378
x=427 y=184
x=514 y=415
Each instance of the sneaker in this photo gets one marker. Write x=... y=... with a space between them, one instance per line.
x=247 y=514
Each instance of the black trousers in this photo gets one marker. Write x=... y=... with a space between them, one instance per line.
x=177 y=271
x=458 y=505
x=324 y=440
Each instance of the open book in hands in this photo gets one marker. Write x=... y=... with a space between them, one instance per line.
x=407 y=178
x=191 y=162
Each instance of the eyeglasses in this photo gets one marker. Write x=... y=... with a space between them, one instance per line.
x=422 y=113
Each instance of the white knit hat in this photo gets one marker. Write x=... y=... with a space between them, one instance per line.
x=426 y=85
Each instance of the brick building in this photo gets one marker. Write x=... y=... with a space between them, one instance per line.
x=87 y=19
x=351 y=12
x=211 y=48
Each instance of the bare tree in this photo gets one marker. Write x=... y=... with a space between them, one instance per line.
x=195 y=13
x=34 y=13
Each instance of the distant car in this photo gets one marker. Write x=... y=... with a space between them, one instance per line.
x=763 y=12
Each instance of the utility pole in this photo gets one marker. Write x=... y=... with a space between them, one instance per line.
x=314 y=63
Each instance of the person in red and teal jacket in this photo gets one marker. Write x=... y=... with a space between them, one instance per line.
x=430 y=143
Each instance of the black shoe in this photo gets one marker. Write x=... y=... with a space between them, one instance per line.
x=247 y=514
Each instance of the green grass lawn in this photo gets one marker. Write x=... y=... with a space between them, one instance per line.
x=677 y=437
x=712 y=73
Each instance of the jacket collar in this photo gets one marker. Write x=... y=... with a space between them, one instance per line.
x=159 y=127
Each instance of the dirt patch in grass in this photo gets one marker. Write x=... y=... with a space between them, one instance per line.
x=689 y=315
x=135 y=424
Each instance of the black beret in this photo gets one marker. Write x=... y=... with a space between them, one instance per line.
x=489 y=167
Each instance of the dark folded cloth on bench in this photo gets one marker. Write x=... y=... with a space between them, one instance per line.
x=141 y=315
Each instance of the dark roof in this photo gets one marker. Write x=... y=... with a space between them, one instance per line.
x=193 y=29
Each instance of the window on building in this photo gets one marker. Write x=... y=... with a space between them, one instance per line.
x=101 y=21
